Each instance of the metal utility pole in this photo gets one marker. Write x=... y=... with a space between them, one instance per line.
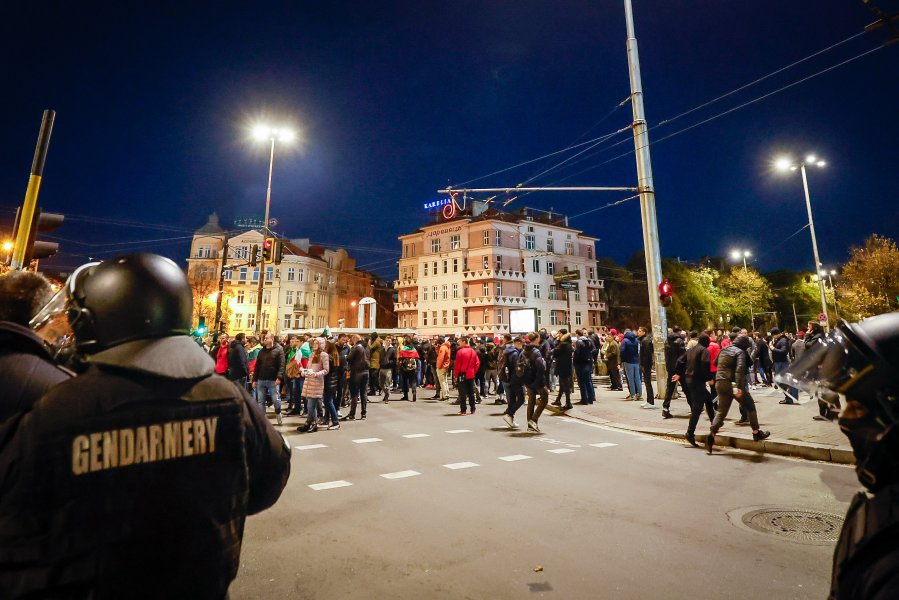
x=795 y=318
x=218 y=298
x=29 y=206
x=261 y=263
x=811 y=226
x=647 y=202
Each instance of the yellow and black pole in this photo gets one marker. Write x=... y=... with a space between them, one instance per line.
x=34 y=184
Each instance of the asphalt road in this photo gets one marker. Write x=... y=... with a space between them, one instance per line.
x=470 y=509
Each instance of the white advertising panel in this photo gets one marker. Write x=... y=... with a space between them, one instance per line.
x=522 y=320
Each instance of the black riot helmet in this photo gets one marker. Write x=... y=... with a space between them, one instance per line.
x=861 y=362
x=133 y=297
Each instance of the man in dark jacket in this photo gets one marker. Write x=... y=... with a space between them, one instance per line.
x=732 y=381
x=534 y=380
x=780 y=357
x=511 y=381
x=696 y=368
x=630 y=359
x=562 y=354
x=269 y=374
x=646 y=361
x=386 y=368
x=674 y=349
x=357 y=362
x=27 y=370
x=238 y=364
x=133 y=480
x=584 y=358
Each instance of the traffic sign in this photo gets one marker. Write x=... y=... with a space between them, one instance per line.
x=822 y=317
x=567 y=276
x=568 y=285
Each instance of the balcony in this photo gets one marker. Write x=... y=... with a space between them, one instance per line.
x=403 y=283
x=596 y=305
x=596 y=283
x=494 y=301
x=300 y=308
x=410 y=305
x=478 y=274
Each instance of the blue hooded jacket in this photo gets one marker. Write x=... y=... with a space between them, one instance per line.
x=630 y=348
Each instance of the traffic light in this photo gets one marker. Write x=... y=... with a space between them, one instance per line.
x=267 y=248
x=278 y=252
x=665 y=293
x=201 y=327
x=36 y=249
x=254 y=255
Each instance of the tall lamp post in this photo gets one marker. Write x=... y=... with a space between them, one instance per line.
x=829 y=274
x=788 y=164
x=744 y=254
x=262 y=133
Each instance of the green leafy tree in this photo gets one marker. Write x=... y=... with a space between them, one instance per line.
x=869 y=282
x=743 y=293
x=794 y=289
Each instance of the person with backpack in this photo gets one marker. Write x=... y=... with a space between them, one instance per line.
x=408 y=367
x=531 y=370
x=466 y=368
x=490 y=374
x=562 y=354
x=509 y=377
x=583 y=367
x=481 y=387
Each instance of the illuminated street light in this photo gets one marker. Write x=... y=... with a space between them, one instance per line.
x=8 y=246
x=810 y=160
x=744 y=254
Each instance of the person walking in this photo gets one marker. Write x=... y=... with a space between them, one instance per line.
x=314 y=387
x=532 y=372
x=375 y=353
x=646 y=361
x=442 y=364
x=695 y=368
x=220 y=355
x=562 y=359
x=388 y=364
x=238 y=365
x=408 y=365
x=332 y=385
x=511 y=382
x=269 y=374
x=583 y=367
x=780 y=357
x=465 y=368
x=611 y=354
x=674 y=350
x=732 y=382
x=357 y=362
x=630 y=358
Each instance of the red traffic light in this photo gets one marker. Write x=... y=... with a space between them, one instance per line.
x=665 y=293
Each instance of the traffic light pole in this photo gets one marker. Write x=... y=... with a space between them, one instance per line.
x=218 y=298
x=268 y=200
x=34 y=185
x=647 y=203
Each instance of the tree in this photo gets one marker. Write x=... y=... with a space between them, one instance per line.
x=625 y=292
x=799 y=290
x=870 y=280
x=697 y=300
x=744 y=292
x=203 y=284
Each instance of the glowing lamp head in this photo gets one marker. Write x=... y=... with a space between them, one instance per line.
x=783 y=163
x=262 y=132
x=736 y=255
x=286 y=135
x=8 y=246
x=820 y=163
x=811 y=159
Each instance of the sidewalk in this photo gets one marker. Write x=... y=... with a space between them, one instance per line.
x=793 y=431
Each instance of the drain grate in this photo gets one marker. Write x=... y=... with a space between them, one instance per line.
x=796 y=525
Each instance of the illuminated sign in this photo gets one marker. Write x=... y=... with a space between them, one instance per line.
x=437 y=203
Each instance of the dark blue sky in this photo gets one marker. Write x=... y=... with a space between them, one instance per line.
x=396 y=99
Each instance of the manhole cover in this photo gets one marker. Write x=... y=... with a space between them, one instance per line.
x=796 y=525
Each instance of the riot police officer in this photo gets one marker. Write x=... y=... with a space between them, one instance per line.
x=134 y=479
x=861 y=362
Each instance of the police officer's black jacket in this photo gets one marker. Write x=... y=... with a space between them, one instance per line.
x=134 y=480
x=26 y=369
x=733 y=366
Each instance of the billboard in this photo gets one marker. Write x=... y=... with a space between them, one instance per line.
x=522 y=320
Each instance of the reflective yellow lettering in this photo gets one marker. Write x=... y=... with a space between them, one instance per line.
x=110 y=449
x=155 y=442
x=172 y=437
x=211 y=423
x=186 y=439
x=126 y=447
x=142 y=452
x=199 y=437
x=80 y=446
x=96 y=440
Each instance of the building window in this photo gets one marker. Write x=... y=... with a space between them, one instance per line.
x=444 y=291
x=486 y=237
x=553 y=318
x=454 y=242
x=243 y=274
x=291 y=274
x=577 y=295
x=445 y=318
x=266 y=296
x=269 y=273
x=425 y=274
x=498 y=286
x=238 y=320
x=455 y=290
x=530 y=227
x=535 y=266
x=435 y=245
x=498 y=263
x=577 y=318
x=550 y=267
x=455 y=265
x=529 y=242
x=424 y=317
x=552 y=292
x=252 y=299
x=434 y=292
x=537 y=290
x=485 y=262
x=434 y=267
x=301 y=275
x=434 y=317
x=255 y=274
x=288 y=299
x=227 y=274
x=251 y=321
x=591 y=273
x=445 y=267
x=569 y=248
x=590 y=251
x=486 y=289
x=286 y=321
x=486 y=316
x=550 y=244
x=297 y=321
x=539 y=317
x=593 y=319
x=497 y=238
x=264 y=322
x=455 y=316
x=239 y=297
x=499 y=316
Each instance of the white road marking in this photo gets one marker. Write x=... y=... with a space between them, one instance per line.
x=603 y=445
x=560 y=450
x=367 y=440
x=514 y=457
x=310 y=447
x=329 y=485
x=417 y=435
x=461 y=465
x=400 y=474
x=458 y=431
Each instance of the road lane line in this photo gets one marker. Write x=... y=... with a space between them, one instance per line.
x=603 y=445
x=367 y=440
x=461 y=465
x=329 y=485
x=417 y=435
x=310 y=447
x=458 y=431
x=560 y=450
x=400 y=474
x=515 y=457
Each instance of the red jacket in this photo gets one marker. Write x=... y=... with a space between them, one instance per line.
x=467 y=362
x=714 y=351
x=443 y=356
x=221 y=360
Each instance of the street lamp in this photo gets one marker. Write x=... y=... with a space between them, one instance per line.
x=786 y=163
x=829 y=275
x=744 y=254
x=262 y=132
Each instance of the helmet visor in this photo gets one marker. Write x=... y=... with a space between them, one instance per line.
x=824 y=368
x=51 y=323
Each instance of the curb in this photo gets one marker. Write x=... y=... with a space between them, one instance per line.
x=806 y=450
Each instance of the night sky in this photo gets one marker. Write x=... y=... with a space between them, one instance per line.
x=394 y=100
